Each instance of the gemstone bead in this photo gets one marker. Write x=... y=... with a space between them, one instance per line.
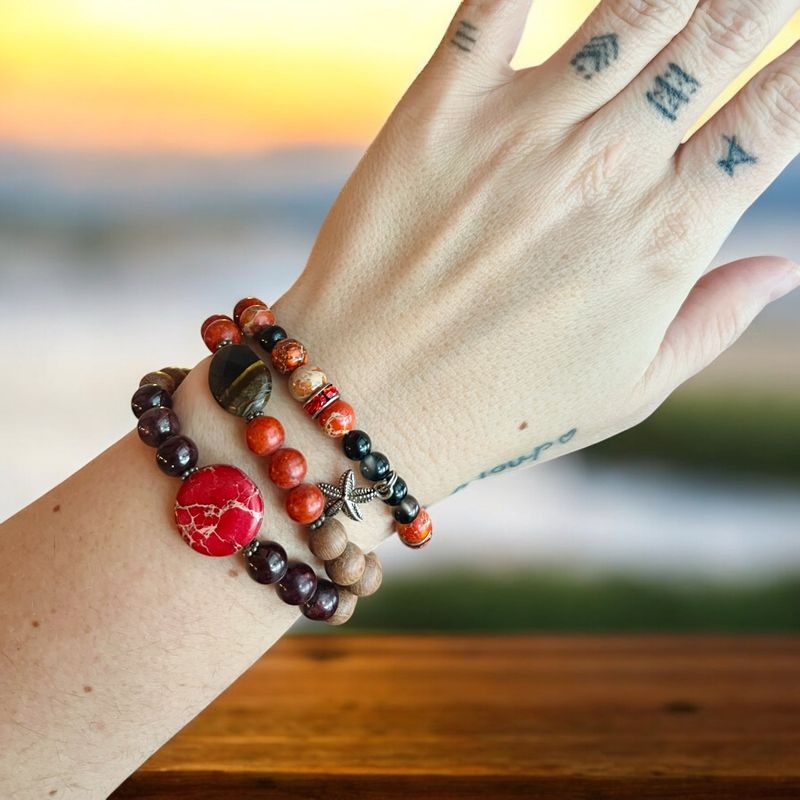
x=406 y=510
x=239 y=380
x=323 y=398
x=254 y=319
x=264 y=435
x=323 y=603
x=418 y=532
x=266 y=562
x=399 y=491
x=329 y=541
x=298 y=585
x=160 y=378
x=288 y=355
x=270 y=336
x=221 y=332
x=287 y=468
x=245 y=302
x=149 y=396
x=176 y=373
x=374 y=467
x=305 y=381
x=305 y=503
x=209 y=320
x=176 y=455
x=345 y=609
x=356 y=445
x=218 y=510
x=337 y=419
x=156 y=425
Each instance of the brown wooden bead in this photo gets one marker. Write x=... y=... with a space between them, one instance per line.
x=160 y=378
x=329 y=541
x=176 y=373
x=345 y=609
x=348 y=567
x=370 y=581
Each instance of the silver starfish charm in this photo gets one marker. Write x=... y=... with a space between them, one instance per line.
x=346 y=496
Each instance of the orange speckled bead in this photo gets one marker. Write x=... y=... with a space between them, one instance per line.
x=264 y=435
x=287 y=468
x=219 y=332
x=254 y=319
x=418 y=532
x=337 y=419
x=305 y=503
x=207 y=322
x=306 y=380
x=244 y=303
x=288 y=355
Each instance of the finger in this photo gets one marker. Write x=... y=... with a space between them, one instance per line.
x=719 y=309
x=617 y=41
x=722 y=38
x=737 y=154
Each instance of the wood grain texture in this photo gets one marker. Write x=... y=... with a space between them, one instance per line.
x=491 y=717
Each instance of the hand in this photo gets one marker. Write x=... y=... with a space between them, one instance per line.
x=515 y=270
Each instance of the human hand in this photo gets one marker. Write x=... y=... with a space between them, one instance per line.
x=515 y=270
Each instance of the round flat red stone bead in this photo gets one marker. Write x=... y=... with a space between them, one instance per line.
x=288 y=355
x=244 y=303
x=218 y=510
x=418 y=532
x=324 y=397
x=221 y=331
x=264 y=435
x=287 y=468
x=305 y=503
x=337 y=419
x=254 y=319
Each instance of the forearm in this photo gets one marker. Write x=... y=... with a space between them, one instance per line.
x=113 y=633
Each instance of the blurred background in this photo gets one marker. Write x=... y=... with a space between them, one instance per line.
x=160 y=158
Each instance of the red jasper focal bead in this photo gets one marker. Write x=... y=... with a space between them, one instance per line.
x=218 y=510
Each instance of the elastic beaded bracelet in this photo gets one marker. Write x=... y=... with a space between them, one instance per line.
x=321 y=400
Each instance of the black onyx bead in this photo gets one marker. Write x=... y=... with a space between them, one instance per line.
x=323 y=603
x=270 y=336
x=298 y=585
x=356 y=445
x=176 y=455
x=375 y=466
x=399 y=491
x=268 y=563
x=149 y=396
x=156 y=425
x=407 y=510
x=239 y=380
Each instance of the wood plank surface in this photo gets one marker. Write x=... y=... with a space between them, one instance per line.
x=386 y=717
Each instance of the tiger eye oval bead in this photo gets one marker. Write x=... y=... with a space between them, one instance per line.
x=348 y=567
x=287 y=355
x=337 y=419
x=156 y=425
x=287 y=468
x=416 y=533
x=159 y=378
x=254 y=319
x=345 y=609
x=306 y=380
x=245 y=302
x=323 y=603
x=329 y=541
x=371 y=580
x=149 y=396
x=239 y=380
x=221 y=332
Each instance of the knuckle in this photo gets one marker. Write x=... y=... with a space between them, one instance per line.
x=780 y=92
x=674 y=230
x=601 y=176
x=647 y=14
x=734 y=31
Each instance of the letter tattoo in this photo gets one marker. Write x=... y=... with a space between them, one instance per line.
x=736 y=156
x=672 y=90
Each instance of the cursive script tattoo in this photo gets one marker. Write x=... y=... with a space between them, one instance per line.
x=735 y=156
x=465 y=37
x=531 y=456
x=596 y=56
x=672 y=91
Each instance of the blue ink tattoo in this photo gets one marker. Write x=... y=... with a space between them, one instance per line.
x=736 y=156
x=672 y=91
x=596 y=55
x=464 y=38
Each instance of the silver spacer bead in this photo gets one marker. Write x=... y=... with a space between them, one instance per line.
x=318 y=522
x=190 y=471
x=384 y=487
x=251 y=548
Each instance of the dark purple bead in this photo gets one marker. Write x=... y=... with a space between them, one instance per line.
x=149 y=396
x=298 y=585
x=156 y=425
x=176 y=455
x=323 y=603
x=268 y=563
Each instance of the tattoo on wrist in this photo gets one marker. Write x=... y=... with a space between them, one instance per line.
x=531 y=456
x=735 y=156
x=465 y=37
x=596 y=56
x=672 y=91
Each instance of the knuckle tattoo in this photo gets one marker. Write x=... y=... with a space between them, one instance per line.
x=735 y=155
x=465 y=37
x=596 y=55
x=671 y=91
x=733 y=31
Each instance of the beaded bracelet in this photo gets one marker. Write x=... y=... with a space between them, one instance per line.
x=321 y=401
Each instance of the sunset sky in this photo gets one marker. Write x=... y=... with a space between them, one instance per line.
x=226 y=75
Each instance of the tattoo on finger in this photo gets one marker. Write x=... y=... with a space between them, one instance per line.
x=596 y=55
x=672 y=90
x=736 y=156
x=466 y=36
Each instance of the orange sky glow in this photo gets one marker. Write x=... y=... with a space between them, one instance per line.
x=227 y=75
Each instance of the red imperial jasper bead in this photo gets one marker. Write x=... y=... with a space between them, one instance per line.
x=206 y=323
x=418 y=532
x=218 y=510
x=324 y=397
x=305 y=503
x=220 y=331
x=254 y=319
x=337 y=419
x=244 y=303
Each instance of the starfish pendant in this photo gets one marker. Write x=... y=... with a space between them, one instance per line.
x=346 y=496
